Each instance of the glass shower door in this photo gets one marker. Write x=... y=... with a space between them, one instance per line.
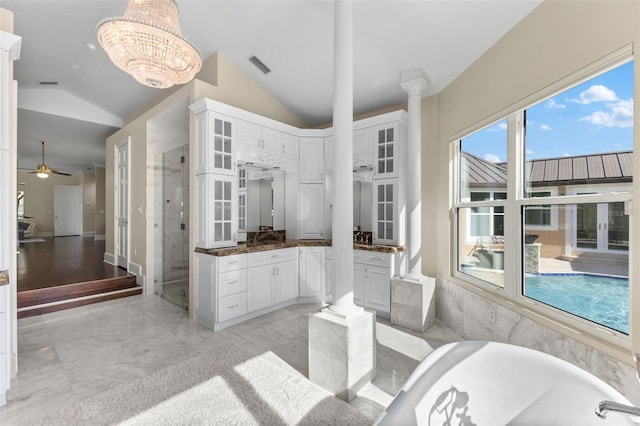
x=175 y=226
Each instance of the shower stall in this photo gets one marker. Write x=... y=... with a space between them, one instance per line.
x=172 y=270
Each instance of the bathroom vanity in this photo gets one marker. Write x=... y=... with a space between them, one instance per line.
x=257 y=180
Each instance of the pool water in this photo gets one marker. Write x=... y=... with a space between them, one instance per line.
x=599 y=298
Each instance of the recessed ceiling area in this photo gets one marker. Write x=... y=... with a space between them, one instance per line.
x=293 y=38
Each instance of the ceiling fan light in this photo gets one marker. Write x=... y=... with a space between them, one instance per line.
x=147 y=44
x=42 y=175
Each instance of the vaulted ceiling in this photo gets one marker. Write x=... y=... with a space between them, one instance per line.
x=293 y=38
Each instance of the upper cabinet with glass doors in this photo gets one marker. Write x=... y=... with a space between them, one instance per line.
x=385 y=150
x=215 y=140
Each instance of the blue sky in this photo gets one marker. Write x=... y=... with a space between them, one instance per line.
x=593 y=117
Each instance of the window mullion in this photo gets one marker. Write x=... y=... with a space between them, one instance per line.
x=512 y=227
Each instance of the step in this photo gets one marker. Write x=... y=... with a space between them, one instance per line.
x=58 y=298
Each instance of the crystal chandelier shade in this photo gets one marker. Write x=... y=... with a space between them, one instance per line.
x=147 y=43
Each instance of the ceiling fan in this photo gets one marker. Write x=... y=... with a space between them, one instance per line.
x=43 y=170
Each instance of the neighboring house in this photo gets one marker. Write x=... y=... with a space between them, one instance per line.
x=563 y=231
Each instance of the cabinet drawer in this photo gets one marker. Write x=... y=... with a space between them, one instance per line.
x=232 y=306
x=358 y=256
x=232 y=263
x=272 y=256
x=377 y=259
x=232 y=282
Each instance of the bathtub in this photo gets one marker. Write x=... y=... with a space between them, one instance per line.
x=490 y=383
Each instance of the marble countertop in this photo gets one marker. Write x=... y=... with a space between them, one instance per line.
x=275 y=245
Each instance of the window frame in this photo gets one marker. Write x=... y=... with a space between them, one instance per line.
x=512 y=293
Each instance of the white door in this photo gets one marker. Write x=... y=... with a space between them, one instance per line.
x=122 y=205
x=287 y=274
x=261 y=287
x=66 y=210
x=310 y=210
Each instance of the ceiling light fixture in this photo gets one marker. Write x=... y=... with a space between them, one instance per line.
x=147 y=43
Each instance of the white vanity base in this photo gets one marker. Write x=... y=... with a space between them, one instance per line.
x=342 y=354
x=413 y=302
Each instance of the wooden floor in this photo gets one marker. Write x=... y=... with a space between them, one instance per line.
x=63 y=260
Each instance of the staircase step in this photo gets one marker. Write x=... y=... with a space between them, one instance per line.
x=44 y=308
x=72 y=291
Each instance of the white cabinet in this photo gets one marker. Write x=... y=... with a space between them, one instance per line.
x=216 y=212
x=290 y=145
x=385 y=211
x=311 y=162
x=358 y=283
x=386 y=150
x=215 y=143
x=362 y=148
x=328 y=270
x=254 y=136
x=272 y=278
x=261 y=290
x=311 y=211
x=286 y=280
x=312 y=272
x=372 y=273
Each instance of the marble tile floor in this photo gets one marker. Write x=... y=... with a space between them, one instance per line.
x=70 y=355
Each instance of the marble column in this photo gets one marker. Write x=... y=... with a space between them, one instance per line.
x=412 y=294
x=342 y=336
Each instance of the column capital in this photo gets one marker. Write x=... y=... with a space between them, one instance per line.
x=11 y=43
x=413 y=81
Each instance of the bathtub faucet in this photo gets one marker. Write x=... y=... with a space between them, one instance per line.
x=605 y=406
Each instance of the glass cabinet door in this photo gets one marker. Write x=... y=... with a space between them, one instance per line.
x=385 y=211
x=222 y=145
x=385 y=149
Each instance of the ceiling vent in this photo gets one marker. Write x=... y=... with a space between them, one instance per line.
x=258 y=63
x=49 y=83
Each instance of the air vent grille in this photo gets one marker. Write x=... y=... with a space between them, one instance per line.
x=259 y=64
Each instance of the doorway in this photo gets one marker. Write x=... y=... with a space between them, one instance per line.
x=173 y=274
x=121 y=243
x=602 y=227
x=67 y=210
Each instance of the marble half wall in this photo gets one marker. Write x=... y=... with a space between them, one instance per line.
x=469 y=315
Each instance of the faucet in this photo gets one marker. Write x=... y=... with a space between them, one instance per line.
x=605 y=406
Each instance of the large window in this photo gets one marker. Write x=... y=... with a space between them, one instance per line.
x=548 y=187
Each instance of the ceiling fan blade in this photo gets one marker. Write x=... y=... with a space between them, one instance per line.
x=60 y=173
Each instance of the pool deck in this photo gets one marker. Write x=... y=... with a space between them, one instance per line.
x=548 y=265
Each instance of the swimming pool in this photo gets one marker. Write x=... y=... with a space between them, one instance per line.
x=602 y=299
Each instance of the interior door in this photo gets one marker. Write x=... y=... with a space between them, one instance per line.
x=122 y=205
x=66 y=210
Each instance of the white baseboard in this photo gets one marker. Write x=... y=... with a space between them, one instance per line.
x=136 y=270
x=44 y=234
x=88 y=234
x=98 y=237
x=109 y=258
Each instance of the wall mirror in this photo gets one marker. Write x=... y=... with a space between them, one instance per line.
x=261 y=198
x=362 y=201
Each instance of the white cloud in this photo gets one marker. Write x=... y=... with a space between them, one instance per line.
x=545 y=127
x=620 y=114
x=492 y=158
x=596 y=93
x=553 y=105
x=566 y=154
x=501 y=126
x=530 y=152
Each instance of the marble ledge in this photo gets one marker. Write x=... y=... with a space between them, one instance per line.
x=276 y=245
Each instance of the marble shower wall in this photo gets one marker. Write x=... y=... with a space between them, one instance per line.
x=469 y=315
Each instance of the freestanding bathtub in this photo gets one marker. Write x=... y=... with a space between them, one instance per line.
x=490 y=383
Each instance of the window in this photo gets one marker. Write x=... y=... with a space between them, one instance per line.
x=549 y=185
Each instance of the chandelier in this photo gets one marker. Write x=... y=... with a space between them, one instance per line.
x=147 y=43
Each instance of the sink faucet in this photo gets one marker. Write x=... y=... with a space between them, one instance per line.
x=605 y=406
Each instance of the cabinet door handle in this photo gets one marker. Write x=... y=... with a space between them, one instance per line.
x=234 y=282
x=283 y=149
x=233 y=262
x=277 y=270
x=233 y=306
x=275 y=255
x=322 y=176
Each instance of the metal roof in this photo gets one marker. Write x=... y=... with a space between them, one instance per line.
x=581 y=169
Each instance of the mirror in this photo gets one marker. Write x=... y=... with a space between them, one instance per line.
x=261 y=194
x=362 y=201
